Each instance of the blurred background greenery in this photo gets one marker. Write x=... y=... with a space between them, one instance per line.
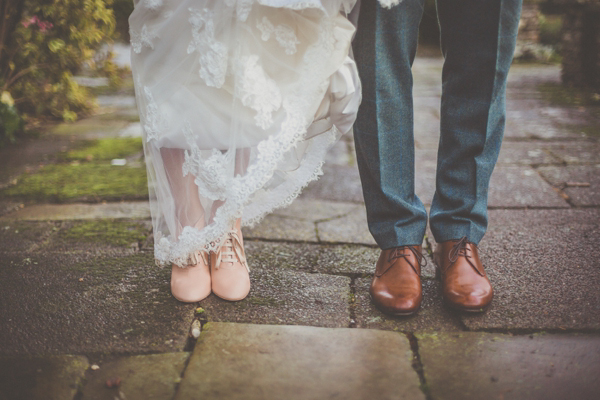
x=43 y=44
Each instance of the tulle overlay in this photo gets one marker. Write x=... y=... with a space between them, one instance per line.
x=239 y=102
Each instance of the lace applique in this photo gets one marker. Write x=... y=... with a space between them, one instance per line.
x=213 y=54
x=153 y=4
x=389 y=3
x=285 y=35
x=211 y=174
x=243 y=9
x=213 y=170
x=256 y=90
x=154 y=123
x=144 y=38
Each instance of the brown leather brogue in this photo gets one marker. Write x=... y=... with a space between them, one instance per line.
x=396 y=287
x=465 y=285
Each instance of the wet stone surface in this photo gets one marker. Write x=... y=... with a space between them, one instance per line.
x=55 y=302
x=581 y=183
x=524 y=153
x=41 y=378
x=317 y=210
x=145 y=377
x=506 y=366
x=351 y=228
x=522 y=187
x=237 y=361
x=21 y=236
x=587 y=152
x=432 y=316
x=281 y=296
x=338 y=183
x=274 y=227
x=543 y=266
x=48 y=212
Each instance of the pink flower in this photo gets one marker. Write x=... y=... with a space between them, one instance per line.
x=44 y=26
x=32 y=20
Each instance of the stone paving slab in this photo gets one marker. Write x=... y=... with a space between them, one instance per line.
x=236 y=361
x=21 y=236
x=29 y=154
x=275 y=227
x=145 y=377
x=103 y=238
x=543 y=266
x=41 y=378
x=91 y=128
x=580 y=182
x=432 y=316
x=317 y=210
x=522 y=187
x=578 y=153
x=342 y=153
x=55 y=302
x=338 y=183
x=510 y=186
x=495 y=366
x=7 y=207
x=351 y=228
x=528 y=153
x=280 y=296
x=50 y=212
x=345 y=259
x=425 y=167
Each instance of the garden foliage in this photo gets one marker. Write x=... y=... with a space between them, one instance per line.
x=42 y=44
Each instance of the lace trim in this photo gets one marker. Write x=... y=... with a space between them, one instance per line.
x=237 y=191
x=286 y=193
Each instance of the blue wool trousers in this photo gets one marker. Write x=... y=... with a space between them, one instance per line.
x=478 y=39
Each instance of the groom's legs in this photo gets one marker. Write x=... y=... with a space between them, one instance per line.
x=385 y=48
x=478 y=39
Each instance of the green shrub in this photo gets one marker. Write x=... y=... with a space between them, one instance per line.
x=550 y=30
x=10 y=121
x=44 y=43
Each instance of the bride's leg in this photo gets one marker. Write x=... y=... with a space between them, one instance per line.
x=189 y=283
x=229 y=268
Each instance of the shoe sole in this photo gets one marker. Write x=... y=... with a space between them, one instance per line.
x=466 y=310
x=230 y=299
x=396 y=314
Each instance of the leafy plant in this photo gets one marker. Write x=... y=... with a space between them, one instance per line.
x=42 y=44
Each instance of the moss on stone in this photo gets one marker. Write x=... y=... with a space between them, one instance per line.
x=264 y=301
x=84 y=182
x=106 y=149
x=114 y=232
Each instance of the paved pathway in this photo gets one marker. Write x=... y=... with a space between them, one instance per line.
x=85 y=314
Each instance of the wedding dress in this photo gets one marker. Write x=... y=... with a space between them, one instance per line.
x=239 y=101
